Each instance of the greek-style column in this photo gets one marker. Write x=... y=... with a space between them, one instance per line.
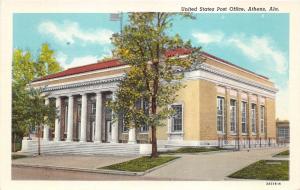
x=83 y=118
x=98 y=117
x=57 y=119
x=46 y=127
x=114 y=127
x=131 y=136
x=70 y=119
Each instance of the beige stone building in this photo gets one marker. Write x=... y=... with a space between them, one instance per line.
x=221 y=105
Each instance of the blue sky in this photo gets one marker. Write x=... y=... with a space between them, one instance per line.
x=258 y=42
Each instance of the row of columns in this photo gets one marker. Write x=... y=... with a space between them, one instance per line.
x=83 y=126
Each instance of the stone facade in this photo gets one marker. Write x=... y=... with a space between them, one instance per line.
x=81 y=99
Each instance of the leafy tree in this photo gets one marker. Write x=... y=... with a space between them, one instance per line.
x=153 y=77
x=46 y=62
x=39 y=113
x=25 y=69
x=23 y=73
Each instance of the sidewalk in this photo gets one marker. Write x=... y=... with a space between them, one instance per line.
x=72 y=161
x=213 y=166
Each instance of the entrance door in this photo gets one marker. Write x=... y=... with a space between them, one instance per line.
x=108 y=130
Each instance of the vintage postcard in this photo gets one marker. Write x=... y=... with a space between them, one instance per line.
x=149 y=94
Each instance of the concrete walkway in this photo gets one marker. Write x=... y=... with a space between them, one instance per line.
x=212 y=166
x=200 y=166
x=73 y=161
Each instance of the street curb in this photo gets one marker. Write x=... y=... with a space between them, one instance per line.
x=197 y=153
x=241 y=179
x=101 y=171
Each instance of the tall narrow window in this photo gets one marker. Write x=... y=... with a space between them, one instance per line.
x=122 y=123
x=93 y=108
x=253 y=118
x=220 y=114
x=233 y=116
x=144 y=128
x=262 y=119
x=176 y=121
x=244 y=117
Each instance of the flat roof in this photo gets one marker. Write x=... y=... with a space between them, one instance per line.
x=117 y=62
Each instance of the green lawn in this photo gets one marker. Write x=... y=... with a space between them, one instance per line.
x=264 y=170
x=284 y=153
x=140 y=164
x=17 y=156
x=192 y=150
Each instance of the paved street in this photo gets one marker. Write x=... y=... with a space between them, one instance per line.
x=207 y=166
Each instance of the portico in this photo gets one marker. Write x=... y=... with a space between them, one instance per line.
x=85 y=124
x=85 y=117
x=83 y=114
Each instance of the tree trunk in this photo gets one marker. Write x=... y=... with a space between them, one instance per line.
x=153 y=127
x=39 y=141
x=154 y=153
x=153 y=131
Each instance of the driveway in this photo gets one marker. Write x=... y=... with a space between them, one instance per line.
x=212 y=166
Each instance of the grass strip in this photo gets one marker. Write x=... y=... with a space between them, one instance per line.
x=264 y=170
x=140 y=164
x=192 y=150
x=284 y=153
x=17 y=156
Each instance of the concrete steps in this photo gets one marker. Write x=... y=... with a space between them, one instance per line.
x=86 y=148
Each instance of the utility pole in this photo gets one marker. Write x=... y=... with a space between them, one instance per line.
x=118 y=17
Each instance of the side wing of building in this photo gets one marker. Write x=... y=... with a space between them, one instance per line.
x=223 y=104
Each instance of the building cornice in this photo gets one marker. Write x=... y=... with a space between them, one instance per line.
x=197 y=72
x=220 y=77
x=81 y=74
x=83 y=84
x=231 y=76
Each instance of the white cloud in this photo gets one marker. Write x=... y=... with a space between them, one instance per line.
x=80 y=61
x=61 y=58
x=282 y=104
x=106 y=52
x=260 y=49
x=207 y=38
x=69 y=32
